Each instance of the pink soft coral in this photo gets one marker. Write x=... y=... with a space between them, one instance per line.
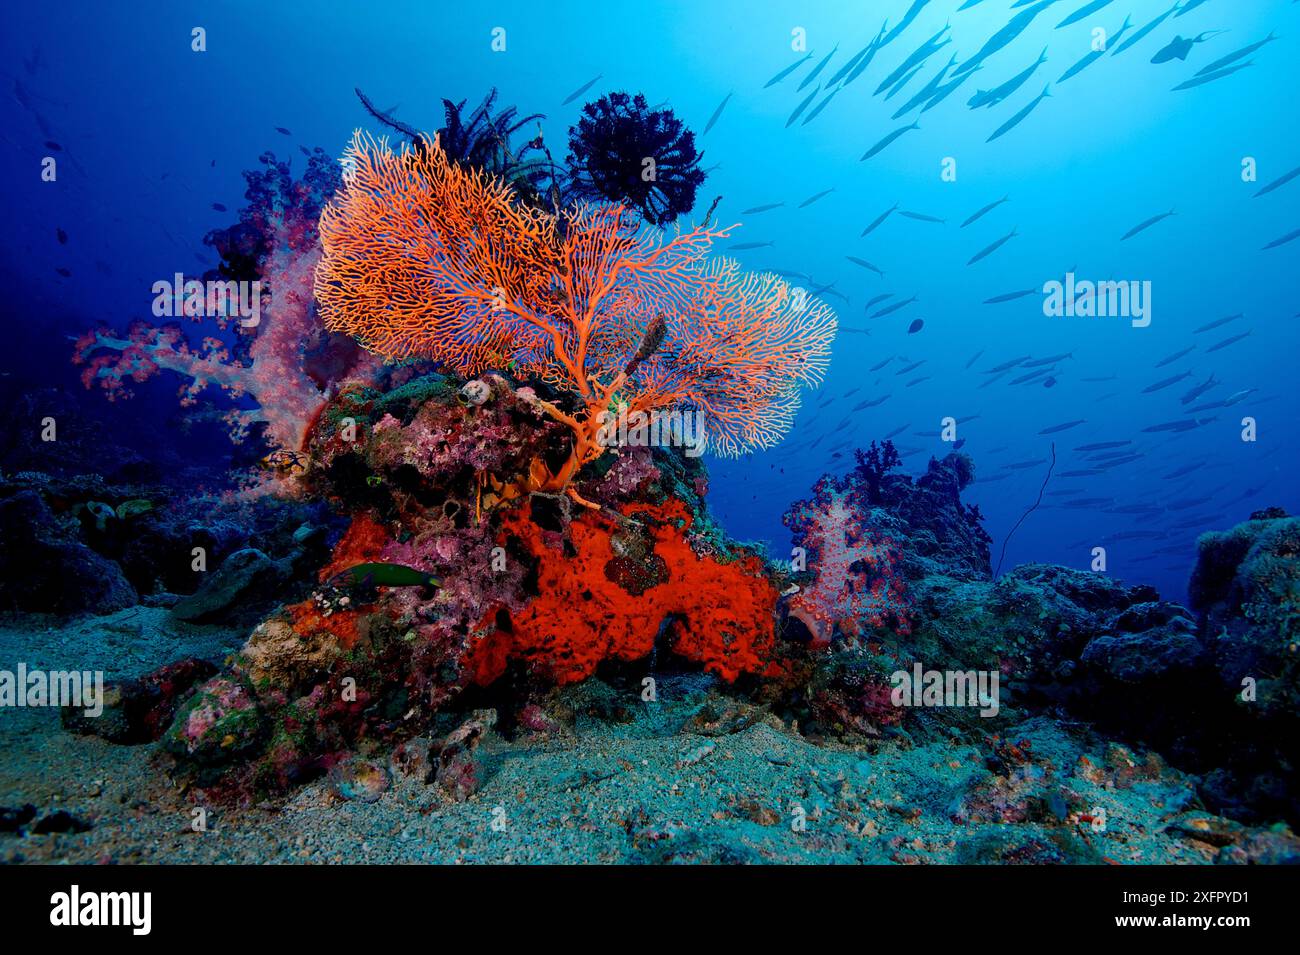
x=284 y=359
x=856 y=588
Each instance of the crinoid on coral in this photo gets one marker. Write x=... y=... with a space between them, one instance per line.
x=279 y=356
x=426 y=258
x=483 y=141
x=624 y=151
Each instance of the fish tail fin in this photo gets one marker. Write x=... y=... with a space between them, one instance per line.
x=1042 y=57
x=1047 y=90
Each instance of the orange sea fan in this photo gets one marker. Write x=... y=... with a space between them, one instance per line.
x=421 y=254
x=425 y=258
x=739 y=351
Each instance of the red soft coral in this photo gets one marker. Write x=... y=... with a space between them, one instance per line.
x=721 y=613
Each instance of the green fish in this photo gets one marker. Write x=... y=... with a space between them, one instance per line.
x=388 y=575
x=138 y=505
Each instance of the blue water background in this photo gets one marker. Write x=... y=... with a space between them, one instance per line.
x=153 y=134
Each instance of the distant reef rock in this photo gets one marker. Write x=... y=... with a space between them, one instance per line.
x=88 y=545
x=46 y=567
x=1246 y=589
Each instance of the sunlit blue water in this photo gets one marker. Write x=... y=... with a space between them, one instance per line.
x=154 y=134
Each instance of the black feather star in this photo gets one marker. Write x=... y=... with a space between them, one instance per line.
x=482 y=140
x=623 y=151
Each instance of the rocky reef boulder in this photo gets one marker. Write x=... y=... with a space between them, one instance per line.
x=219 y=722
x=1246 y=588
x=1152 y=642
x=1057 y=638
x=1070 y=640
x=1082 y=634
x=246 y=576
x=46 y=568
x=1137 y=667
x=140 y=710
x=897 y=582
x=86 y=544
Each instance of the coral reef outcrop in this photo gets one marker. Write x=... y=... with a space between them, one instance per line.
x=429 y=595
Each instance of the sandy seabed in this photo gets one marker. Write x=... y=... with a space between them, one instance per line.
x=698 y=776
